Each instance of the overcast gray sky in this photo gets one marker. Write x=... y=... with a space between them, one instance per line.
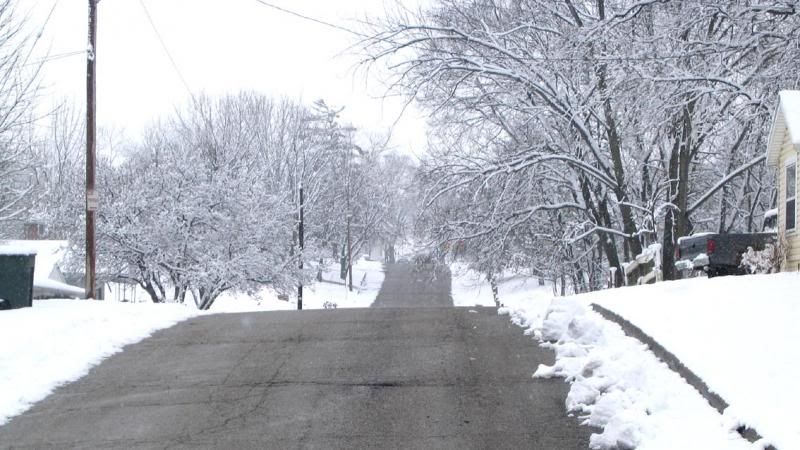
x=219 y=46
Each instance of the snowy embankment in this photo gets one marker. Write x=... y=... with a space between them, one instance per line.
x=619 y=386
x=58 y=341
x=367 y=280
x=739 y=334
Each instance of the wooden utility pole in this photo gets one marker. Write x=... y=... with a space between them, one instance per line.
x=300 y=232
x=349 y=243
x=91 y=110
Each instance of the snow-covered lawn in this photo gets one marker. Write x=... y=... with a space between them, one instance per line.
x=470 y=288
x=617 y=384
x=58 y=341
x=367 y=280
x=739 y=334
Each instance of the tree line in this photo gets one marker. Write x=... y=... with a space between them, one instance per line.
x=571 y=135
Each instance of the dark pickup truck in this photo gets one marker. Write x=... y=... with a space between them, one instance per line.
x=718 y=254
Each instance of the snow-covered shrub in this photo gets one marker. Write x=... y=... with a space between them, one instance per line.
x=762 y=261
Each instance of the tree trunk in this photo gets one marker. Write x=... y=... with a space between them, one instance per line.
x=495 y=290
x=615 y=148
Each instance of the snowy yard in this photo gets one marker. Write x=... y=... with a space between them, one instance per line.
x=470 y=288
x=58 y=341
x=367 y=280
x=739 y=334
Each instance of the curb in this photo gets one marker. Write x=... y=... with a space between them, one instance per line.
x=677 y=366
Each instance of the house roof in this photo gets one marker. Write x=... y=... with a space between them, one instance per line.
x=786 y=120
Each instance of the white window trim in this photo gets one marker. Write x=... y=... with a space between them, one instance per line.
x=790 y=160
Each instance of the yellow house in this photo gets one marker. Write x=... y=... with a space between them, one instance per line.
x=782 y=152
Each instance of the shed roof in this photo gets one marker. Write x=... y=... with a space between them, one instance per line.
x=786 y=120
x=48 y=254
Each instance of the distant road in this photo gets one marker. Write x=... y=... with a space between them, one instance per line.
x=409 y=285
x=421 y=377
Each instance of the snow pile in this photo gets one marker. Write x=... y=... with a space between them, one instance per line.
x=739 y=334
x=621 y=387
x=58 y=341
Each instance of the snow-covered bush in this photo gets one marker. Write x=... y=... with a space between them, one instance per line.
x=762 y=261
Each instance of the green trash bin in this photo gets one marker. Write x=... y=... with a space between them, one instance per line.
x=16 y=280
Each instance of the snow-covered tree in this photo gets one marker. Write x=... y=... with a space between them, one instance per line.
x=18 y=88
x=591 y=128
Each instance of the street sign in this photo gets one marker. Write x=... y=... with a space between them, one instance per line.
x=91 y=200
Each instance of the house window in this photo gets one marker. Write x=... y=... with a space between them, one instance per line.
x=791 y=195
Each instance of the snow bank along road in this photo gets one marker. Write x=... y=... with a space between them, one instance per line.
x=436 y=377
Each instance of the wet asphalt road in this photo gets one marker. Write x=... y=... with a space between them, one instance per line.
x=414 y=286
x=407 y=375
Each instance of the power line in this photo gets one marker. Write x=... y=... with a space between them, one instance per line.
x=57 y=56
x=312 y=19
x=166 y=50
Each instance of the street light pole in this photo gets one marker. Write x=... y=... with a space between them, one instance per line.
x=91 y=124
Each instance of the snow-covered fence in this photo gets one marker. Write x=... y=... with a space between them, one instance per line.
x=644 y=269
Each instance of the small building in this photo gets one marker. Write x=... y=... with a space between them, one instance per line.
x=48 y=279
x=782 y=151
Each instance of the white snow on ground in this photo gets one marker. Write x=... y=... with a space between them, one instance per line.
x=739 y=334
x=470 y=288
x=239 y=302
x=58 y=341
x=367 y=280
x=617 y=384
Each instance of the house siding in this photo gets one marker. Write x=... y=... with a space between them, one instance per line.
x=792 y=263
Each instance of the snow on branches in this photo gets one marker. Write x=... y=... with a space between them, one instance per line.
x=572 y=135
